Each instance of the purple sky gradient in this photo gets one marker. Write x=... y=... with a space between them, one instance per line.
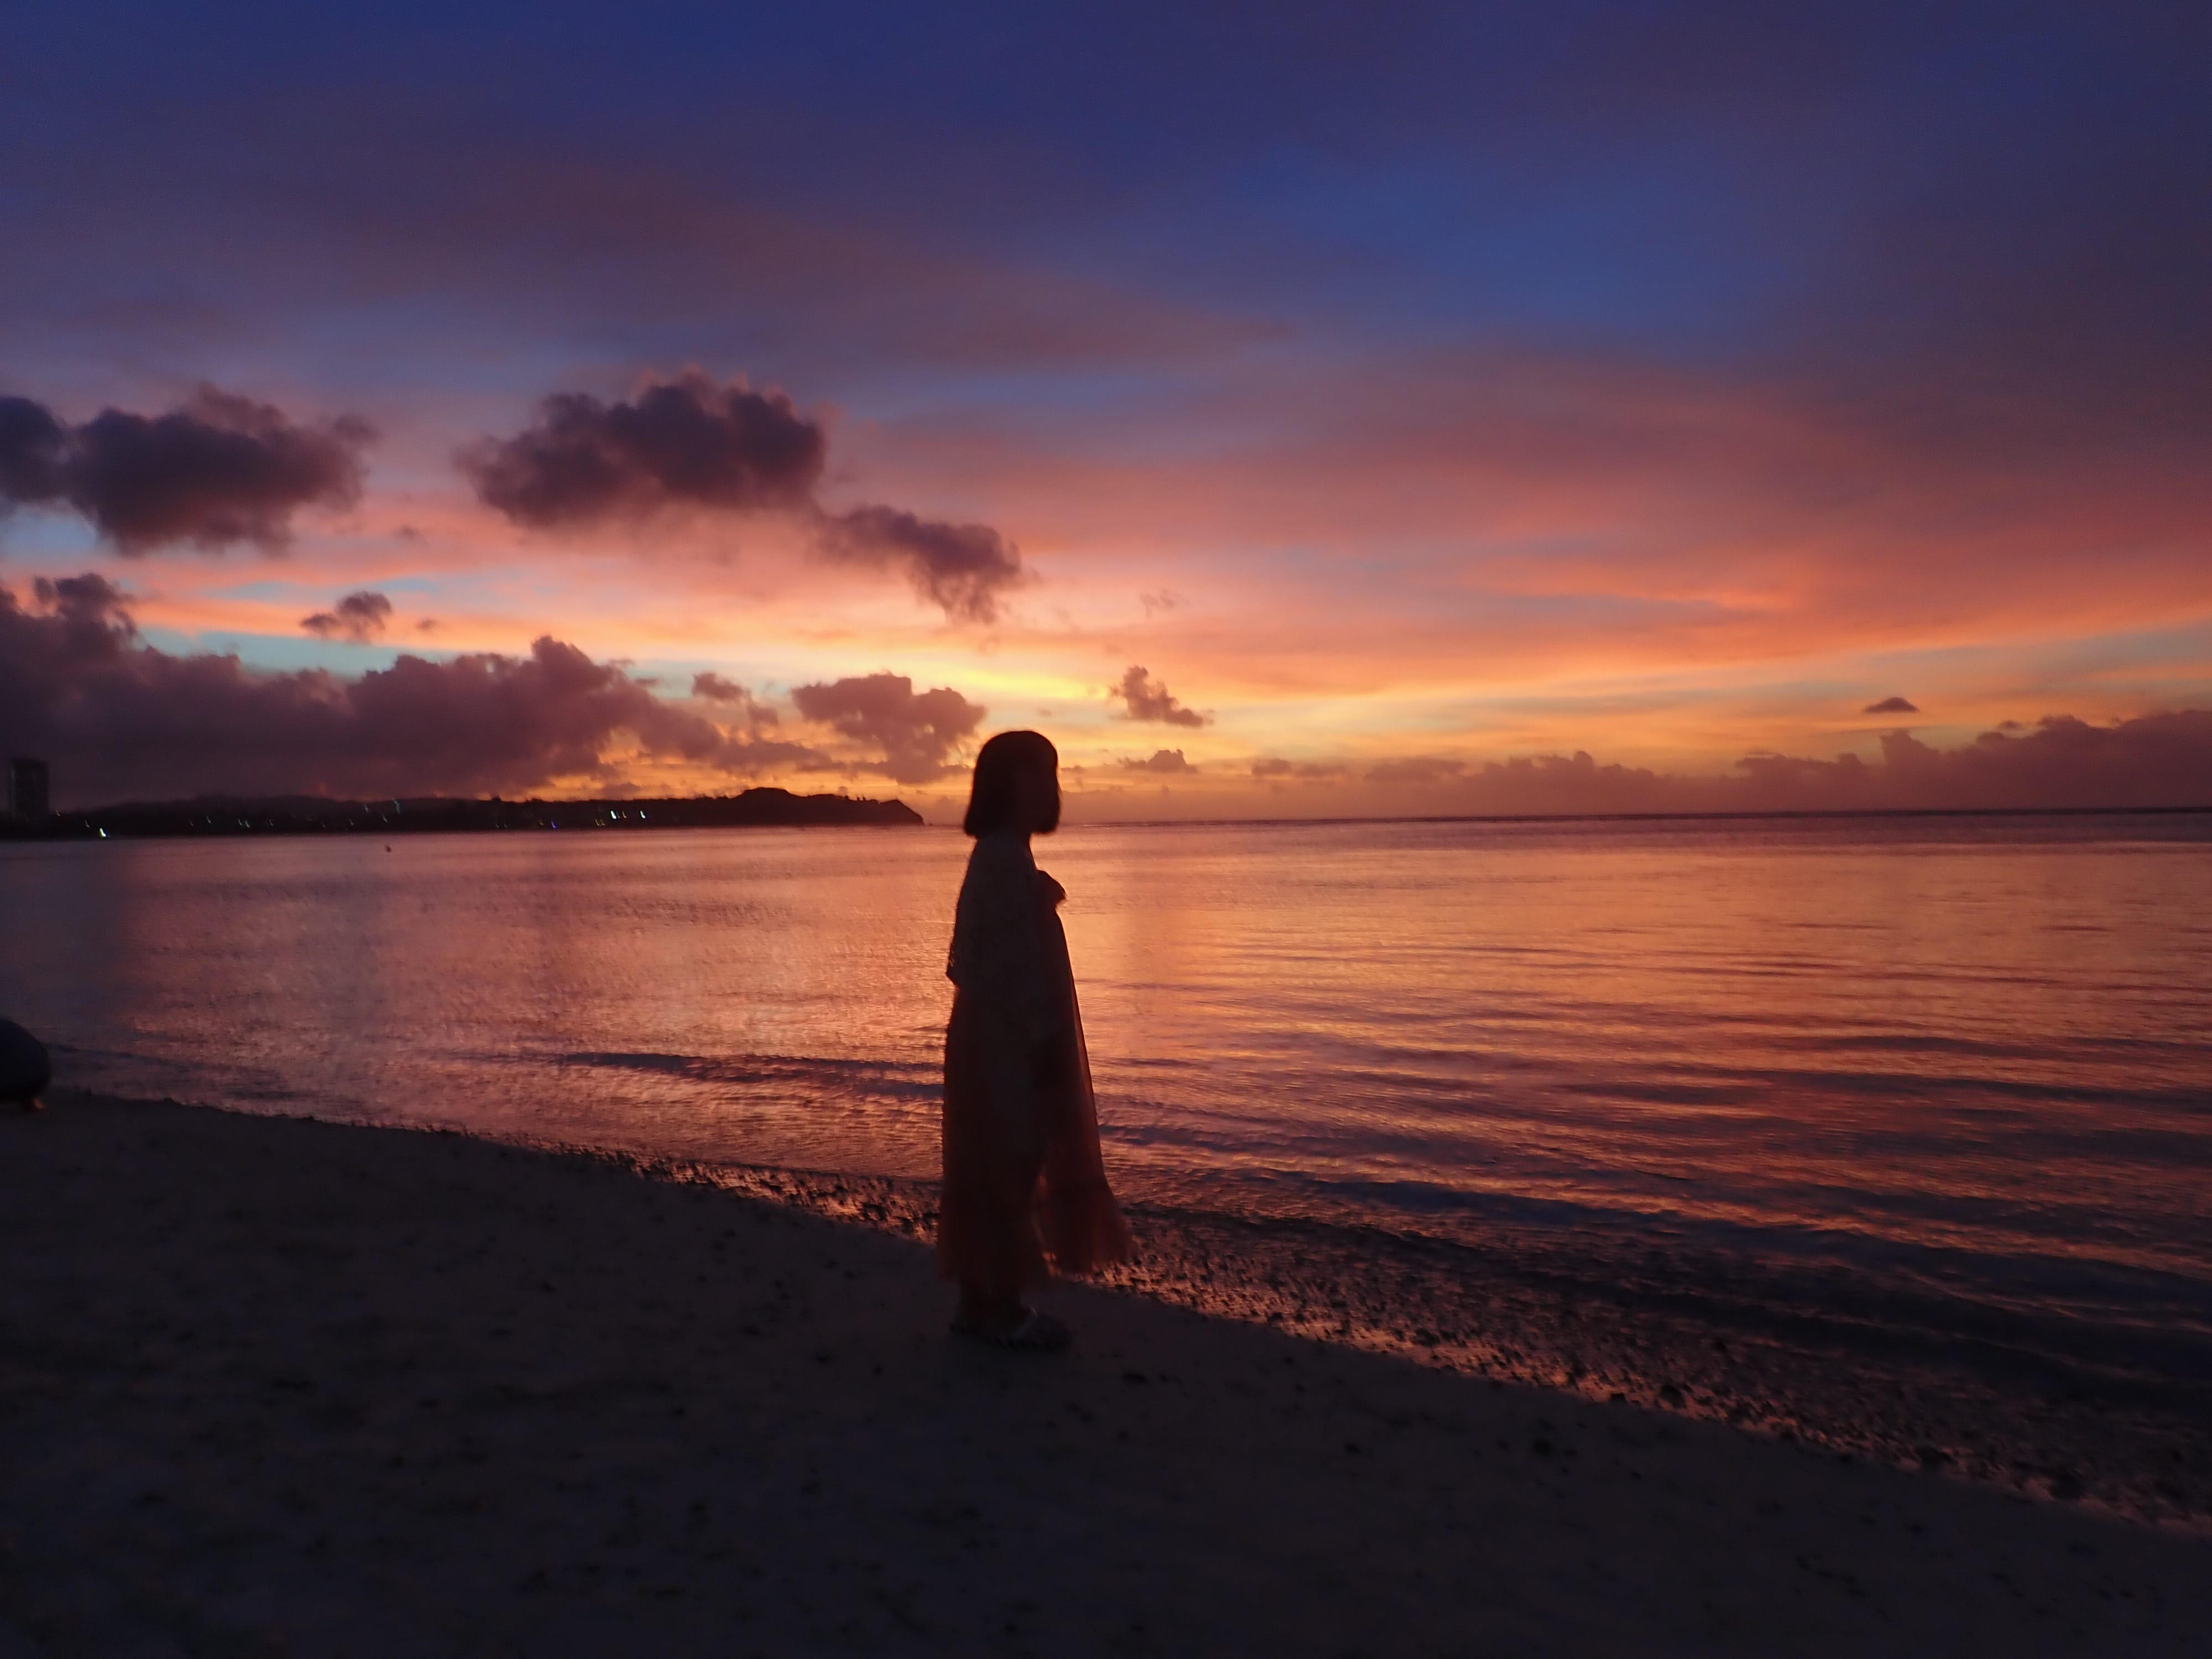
x=1426 y=391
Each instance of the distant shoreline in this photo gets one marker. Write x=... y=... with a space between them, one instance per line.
x=311 y=816
x=781 y=809
x=1659 y=817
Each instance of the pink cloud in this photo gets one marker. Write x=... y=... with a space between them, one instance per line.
x=915 y=733
x=1145 y=698
x=119 y=718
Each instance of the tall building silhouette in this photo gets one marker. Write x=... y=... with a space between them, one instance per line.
x=27 y=788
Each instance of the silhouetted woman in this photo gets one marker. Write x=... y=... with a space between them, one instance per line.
x=1025 y=1190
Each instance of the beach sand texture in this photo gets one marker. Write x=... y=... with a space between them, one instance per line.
x=279 y=1387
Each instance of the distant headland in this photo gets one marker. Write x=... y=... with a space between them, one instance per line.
x=312 y=815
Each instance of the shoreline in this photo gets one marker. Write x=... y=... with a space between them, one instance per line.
x=1957 y=1403
x=2067 y=1439
x=1815 y=1358
x=279 y=1384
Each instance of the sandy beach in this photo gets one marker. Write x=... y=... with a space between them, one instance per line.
x=281 y=1387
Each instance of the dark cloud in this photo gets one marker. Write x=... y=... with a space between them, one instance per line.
x=713 y=687
x=963 y=567
x=118 y=719
x=34 y=450
x=358 y=617
x=918 y=733
x=1415 y=770
x=690 y=443
x=2156 y=760
x=1543 y=785
x=221 y=471
x=1891 y=705
x=681 y=443
x=1273 y=768
x=1169 y=761
x=1144 y=698
x=2059 y=764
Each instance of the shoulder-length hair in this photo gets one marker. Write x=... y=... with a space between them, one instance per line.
x=998 y=765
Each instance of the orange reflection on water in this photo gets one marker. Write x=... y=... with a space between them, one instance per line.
x=1987 y=1040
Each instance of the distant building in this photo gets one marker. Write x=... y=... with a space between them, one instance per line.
x=27 y=788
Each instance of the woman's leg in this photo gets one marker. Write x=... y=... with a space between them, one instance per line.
x=986 y=1239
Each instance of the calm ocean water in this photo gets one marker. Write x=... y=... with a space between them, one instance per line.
x=1895 y=1133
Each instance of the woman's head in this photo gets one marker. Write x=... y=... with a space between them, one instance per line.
x=1016 y=785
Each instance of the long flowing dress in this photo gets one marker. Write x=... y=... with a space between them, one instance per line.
x=1025 y=1192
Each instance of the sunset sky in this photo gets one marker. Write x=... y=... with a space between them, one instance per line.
x=1289 y=410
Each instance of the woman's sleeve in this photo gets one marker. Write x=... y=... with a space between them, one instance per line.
x=997 y=947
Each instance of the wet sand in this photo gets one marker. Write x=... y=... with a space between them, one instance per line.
x=1711 y=1338
x=273 y=1386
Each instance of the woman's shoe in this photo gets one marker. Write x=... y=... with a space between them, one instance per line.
x=1033 y=1333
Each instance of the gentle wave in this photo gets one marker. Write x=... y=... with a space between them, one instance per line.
x=913 y=1082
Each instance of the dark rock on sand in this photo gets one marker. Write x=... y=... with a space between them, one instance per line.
x=25 y=1070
